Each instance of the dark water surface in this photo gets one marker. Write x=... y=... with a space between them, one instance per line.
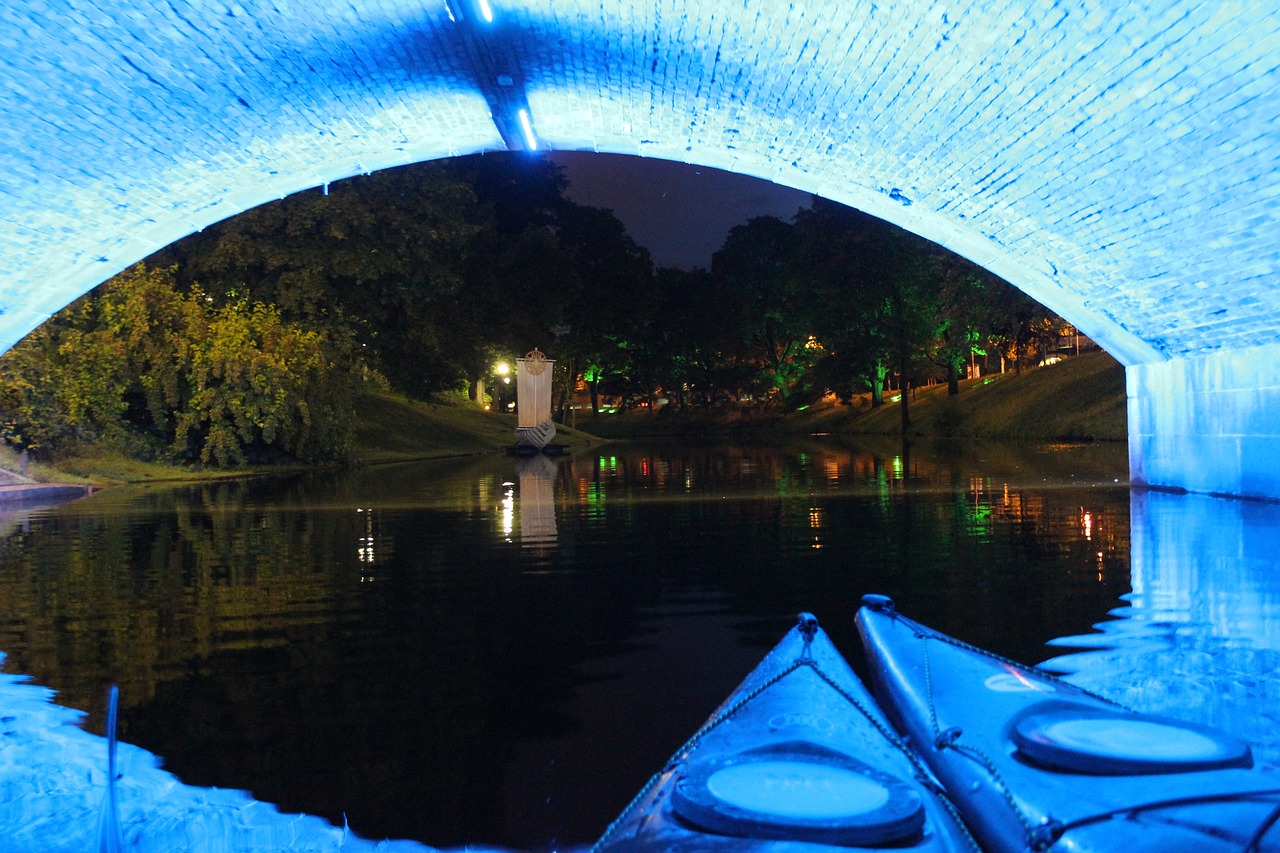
x=497 y=652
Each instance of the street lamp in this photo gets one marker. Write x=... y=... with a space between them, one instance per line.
x=503 y=370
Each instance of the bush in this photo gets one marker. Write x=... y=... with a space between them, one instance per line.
x=141 y=366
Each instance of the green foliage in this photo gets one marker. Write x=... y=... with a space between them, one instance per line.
x=877 y=283
x=377 y=264
x=432 y=273
x=612 y=309
x=774 y=309
x=31 y=412
x=246 y=342
x=897 y=304
x=166 y=374
x=257 y=383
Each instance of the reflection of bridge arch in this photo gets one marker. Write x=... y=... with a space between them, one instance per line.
x=1118 y=166
x=1199 y=636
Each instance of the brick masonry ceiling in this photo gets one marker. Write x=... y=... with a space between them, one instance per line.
x=1116 y=161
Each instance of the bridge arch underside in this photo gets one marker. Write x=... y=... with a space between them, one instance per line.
x=1120 y=166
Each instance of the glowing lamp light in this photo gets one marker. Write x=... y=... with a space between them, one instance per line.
x=508 y=510
x=502 y=368
x=530 y=141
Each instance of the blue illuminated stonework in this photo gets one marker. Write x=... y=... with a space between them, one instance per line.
x=1116 y=161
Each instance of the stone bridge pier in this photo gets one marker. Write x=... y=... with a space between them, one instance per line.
x=1118 y=162
x=1208 y=423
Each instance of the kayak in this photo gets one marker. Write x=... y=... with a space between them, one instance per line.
x=1035 y=763
x=798 y=758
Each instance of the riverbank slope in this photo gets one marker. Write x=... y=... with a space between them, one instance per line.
x=1080 y=399
x=390 y=428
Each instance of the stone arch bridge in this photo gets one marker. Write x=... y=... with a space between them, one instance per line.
x=1120 y=162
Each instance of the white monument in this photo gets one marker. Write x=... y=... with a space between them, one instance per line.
x=534 y=427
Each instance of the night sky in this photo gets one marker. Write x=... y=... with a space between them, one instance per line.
x=679 y=212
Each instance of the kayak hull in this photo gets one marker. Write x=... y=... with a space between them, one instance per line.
x=1032 y=762
x=796 y=759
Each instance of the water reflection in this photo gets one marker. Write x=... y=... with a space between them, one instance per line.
x=1199 y=637
x=537 y=476
x=467 y=651
x=375 y=547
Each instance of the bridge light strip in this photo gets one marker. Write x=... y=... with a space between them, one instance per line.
x=530 y=141
x=486 y=11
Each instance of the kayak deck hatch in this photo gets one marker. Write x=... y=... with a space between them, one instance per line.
x=798 y=791
x=798 y=758
x=1105 y=742
x=1033 y=762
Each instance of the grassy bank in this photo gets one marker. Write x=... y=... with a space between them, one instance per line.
x=394 y=429
x=1082 y=398
x=389 y=428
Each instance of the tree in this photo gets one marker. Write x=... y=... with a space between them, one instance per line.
x=878 y=283
x=614 y=306
x=519 y=277
x=688 y=335
x=773 y=309
x=374 y=263
x=853 y=325
x=259 y=389
x=1018 y=325
x=966 y=294
x=161 y=373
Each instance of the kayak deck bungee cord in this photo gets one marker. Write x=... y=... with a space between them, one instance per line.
x=1035 y=763
x=798 y=758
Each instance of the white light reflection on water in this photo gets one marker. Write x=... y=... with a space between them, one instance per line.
x=508 y=509
x=537 y=476
x=697 y=578
x=1200 y=636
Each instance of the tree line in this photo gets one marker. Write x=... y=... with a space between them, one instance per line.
x=252 y=340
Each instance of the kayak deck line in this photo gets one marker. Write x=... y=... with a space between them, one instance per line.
x=1044 y=835
x=1255 y=843
x=682 y=753
x=1040 y=836
x=1057 y=830
x=922 y=773
x=949 y=740
x=883 y=604
x=803 y=661
x=1039 y=745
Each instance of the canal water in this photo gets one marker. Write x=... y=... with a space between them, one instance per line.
x=493 y=651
